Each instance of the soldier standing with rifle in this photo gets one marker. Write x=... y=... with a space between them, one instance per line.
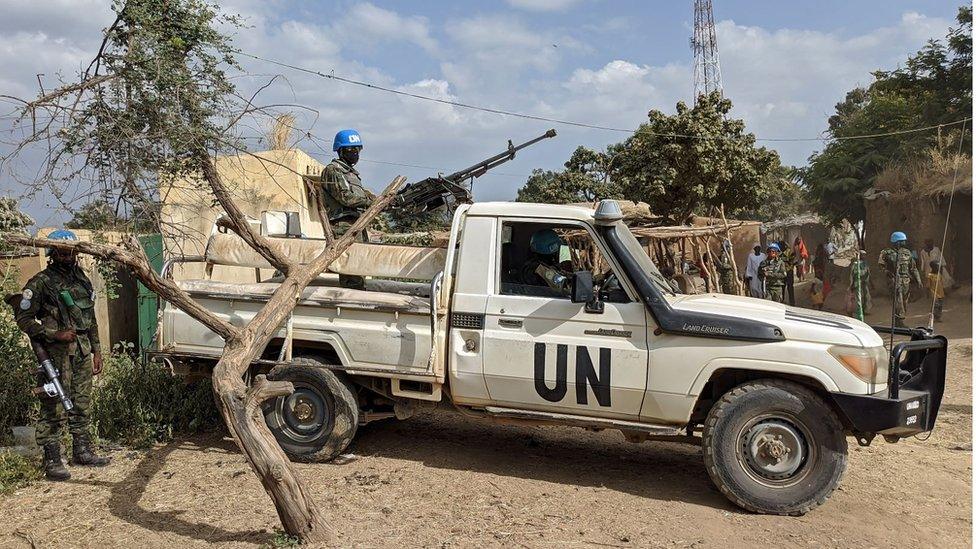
x=57 y=311
x=773 y=273
x=899 y=267
x=345 y=196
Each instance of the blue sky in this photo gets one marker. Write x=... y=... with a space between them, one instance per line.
x=785 y=64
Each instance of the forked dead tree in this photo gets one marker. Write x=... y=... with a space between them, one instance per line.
x=155 y=104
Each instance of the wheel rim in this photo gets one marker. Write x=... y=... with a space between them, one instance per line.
x=775 y=450
x=305 y=414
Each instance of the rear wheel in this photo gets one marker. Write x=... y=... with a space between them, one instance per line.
x=775 y=447
x=317 y=421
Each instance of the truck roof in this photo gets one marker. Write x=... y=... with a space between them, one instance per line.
x=529 y=209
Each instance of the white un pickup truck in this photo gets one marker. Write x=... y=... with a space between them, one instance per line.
x=770 y=392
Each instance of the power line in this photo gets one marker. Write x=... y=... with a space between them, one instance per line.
x=333 y=76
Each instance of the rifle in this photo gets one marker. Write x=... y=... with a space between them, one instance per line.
x=53 y=386
x=448 y=190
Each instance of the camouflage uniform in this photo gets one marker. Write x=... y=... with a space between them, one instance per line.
x=726 y=272
x=789 y=259
x=773 y=271
x=899 y=266
x=345 y=200
x=42 y=312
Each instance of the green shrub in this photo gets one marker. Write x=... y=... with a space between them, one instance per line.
x=133 y=402
x=18 y=406
x=16 y=471
x=139 y=403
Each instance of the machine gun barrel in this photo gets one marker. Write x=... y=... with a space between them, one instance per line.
x=480 y=168
x=448 y=191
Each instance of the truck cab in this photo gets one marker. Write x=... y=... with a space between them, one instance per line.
x=584 y=333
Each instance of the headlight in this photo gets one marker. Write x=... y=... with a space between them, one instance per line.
x=870 y=365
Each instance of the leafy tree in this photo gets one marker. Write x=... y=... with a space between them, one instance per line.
x=98 y=215
x=693 y=160
x=787 y=197
x=12 y=220
x=585 y=179
x=933 y=87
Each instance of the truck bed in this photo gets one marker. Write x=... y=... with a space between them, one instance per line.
x=385 y=328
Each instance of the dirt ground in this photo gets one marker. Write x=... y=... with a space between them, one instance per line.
x=443 y=480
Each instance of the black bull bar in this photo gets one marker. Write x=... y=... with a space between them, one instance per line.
x=916 y=383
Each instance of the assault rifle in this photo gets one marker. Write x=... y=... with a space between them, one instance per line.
x=52 y=388
x=449 y=190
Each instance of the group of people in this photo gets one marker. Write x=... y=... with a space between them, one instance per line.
x=772 y=275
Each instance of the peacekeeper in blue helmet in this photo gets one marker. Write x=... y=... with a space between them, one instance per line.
x=899 y=267
x=345 y=196
x=773 y=273
x=542 y=268
x=57 y=310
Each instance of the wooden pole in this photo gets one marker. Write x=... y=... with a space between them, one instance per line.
x=735 y=266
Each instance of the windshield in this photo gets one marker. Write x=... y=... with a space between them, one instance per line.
x=640 y=256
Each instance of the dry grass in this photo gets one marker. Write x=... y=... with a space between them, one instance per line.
x=930 y=176
x=279 y=134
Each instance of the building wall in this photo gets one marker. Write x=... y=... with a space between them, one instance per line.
x=270 y=180
x=922 y=218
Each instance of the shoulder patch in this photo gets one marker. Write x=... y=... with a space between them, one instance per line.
x=25 y=304
x=27 y=293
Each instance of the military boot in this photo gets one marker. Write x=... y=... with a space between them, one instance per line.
x=82 y=454
x=53 y=467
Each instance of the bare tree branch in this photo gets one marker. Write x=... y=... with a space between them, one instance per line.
x=133 y=256
x=238 y=221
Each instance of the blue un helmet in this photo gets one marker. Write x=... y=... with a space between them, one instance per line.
x=346 y=138
x=898 y=236
x=545 y=242
x=61 y=234
x=773 y=246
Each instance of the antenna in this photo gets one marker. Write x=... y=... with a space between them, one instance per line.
x=708 y=75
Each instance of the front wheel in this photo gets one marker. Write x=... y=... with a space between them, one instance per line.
x=319 y=419
x=774 y=447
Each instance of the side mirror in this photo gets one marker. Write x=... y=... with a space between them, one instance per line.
x=583 y=292
x=582 y=286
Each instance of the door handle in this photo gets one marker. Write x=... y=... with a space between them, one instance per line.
x=510 y=322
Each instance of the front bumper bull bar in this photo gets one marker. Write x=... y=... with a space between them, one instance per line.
x=916 y=382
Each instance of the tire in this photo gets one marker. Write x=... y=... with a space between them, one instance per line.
x=750 y=466
x=318 y=421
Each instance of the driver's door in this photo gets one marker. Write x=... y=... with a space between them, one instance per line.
x=544 y=352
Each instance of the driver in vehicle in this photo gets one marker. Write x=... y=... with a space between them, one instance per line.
x=542 y=268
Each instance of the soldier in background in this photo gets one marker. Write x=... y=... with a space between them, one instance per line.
x=773 y=273
x=726 y=269
x=789 y=258
x=898 y=265
x=346 y=199
x=57 y=310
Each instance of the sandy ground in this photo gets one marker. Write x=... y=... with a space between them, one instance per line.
x=443 y=480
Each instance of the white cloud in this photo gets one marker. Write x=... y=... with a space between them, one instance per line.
x=785 y=82
x=366 y=24
x=543 y=5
